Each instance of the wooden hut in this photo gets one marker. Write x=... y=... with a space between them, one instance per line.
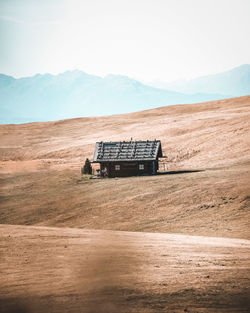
x=127 y=158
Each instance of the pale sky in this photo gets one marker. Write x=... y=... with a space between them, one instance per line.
x=145 y=39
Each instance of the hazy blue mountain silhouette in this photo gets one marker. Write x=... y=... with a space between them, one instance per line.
x=75 y=93
x=235 y=82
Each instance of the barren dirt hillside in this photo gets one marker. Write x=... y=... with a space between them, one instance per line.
x=41 y=181
x=208 y=203
x=198 y=135
x=71 y=270
x=87 y=245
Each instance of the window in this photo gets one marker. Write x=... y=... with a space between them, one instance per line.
x=141 y=166
x=117 y=167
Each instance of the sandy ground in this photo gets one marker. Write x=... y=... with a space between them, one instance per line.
x=71 y=270
x=115 y=248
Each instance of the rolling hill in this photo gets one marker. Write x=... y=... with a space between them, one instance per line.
x=134 y=245
x=40 y=165
x=48 y=269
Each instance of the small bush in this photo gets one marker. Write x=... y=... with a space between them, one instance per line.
x=87 y=168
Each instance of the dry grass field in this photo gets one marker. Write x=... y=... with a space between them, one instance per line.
x=174 y=242
x=209 y=203
x=72 y=270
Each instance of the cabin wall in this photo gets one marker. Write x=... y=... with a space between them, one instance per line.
x=109 y=169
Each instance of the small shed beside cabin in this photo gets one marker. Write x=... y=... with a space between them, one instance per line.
x=127 y=158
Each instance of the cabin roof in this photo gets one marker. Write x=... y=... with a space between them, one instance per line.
x=114 y=151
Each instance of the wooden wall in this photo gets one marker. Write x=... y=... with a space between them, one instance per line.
x=129 y=168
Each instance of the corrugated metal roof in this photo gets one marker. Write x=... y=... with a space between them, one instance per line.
x=127 y=151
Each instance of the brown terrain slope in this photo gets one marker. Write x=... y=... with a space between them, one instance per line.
x=41 y=182
x=198 y=135
x=73 y=270
x=72 y=244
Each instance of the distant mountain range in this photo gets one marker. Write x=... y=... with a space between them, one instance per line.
x=235 y=82
x=75 y=94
